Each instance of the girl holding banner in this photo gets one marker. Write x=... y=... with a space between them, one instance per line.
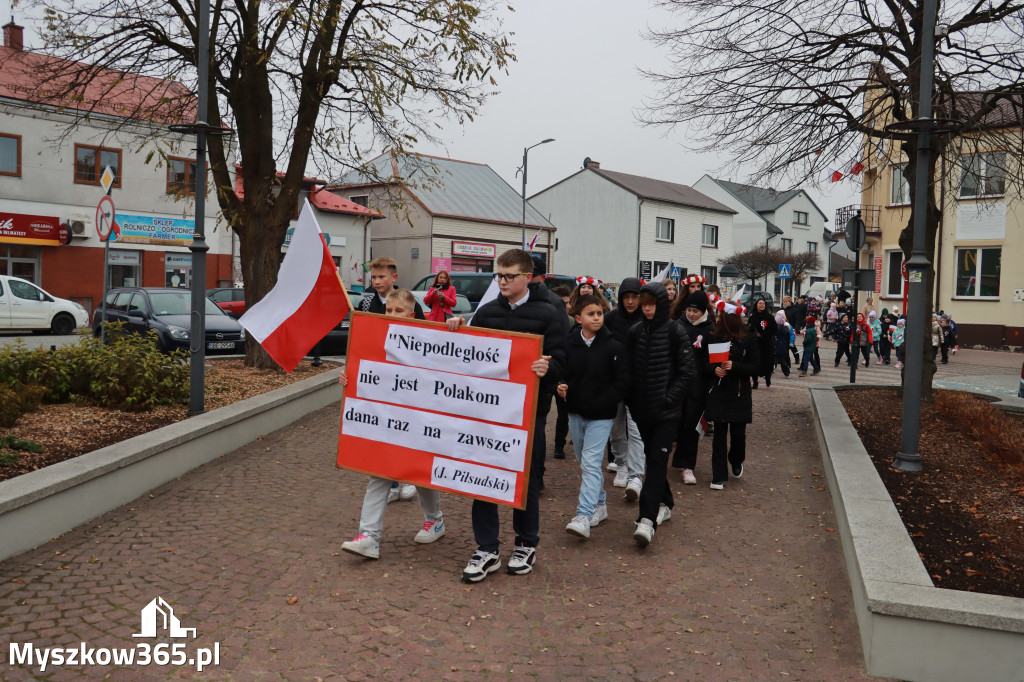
x=733 y=359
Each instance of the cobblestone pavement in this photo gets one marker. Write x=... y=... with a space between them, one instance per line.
x=742 y=584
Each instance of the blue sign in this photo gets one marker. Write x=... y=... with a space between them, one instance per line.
x=676 y=273
x=149 y=230
x=784 y=271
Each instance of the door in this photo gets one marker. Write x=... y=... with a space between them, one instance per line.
x=30 y=307
x=138 y=314
x=5 y=305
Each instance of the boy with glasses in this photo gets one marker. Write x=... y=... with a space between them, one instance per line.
x=522 y=306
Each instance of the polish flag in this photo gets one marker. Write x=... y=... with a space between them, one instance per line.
x=718 y=352
x=308 y=300
x=533 y=242
x=702 y=426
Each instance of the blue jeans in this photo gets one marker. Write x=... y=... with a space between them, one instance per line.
x=810 y=357
x=589 y=437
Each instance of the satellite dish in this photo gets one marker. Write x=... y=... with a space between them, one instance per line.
x=586 y=162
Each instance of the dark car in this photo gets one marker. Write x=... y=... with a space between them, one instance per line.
x=230 y=300
x=473 y=285
x=168 y=313
x=1020 y=391
x=748 y=299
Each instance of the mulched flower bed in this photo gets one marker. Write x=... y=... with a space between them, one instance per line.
x=68 y=430
x=964 y=510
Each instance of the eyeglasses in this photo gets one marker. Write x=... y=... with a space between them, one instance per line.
x=502 y=277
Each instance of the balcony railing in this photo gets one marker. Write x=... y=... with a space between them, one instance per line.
x=868 y=213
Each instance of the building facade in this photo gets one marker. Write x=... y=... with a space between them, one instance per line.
x=615 y=225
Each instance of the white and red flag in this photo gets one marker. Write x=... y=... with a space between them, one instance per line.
x=835 y=175
x=718 y=352
x=533 y=242
x=855 y=167
x=702 y=426
x=308 y=300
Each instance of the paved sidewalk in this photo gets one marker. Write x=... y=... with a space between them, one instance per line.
x=743 y=584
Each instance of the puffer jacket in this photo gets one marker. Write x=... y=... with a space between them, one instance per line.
x=729 y=398
x=699 y=334
x=661 y=363
x=536 y=316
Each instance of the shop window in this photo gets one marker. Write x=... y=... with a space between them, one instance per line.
x=977 y=272
x=10 y=155
x=90 y=162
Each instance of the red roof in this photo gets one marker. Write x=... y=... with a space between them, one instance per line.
x=320 y=198
x=41 y=79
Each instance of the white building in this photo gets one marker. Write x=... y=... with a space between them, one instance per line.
x=614 y=225
x=789 y=220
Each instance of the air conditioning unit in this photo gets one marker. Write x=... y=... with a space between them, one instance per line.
x=77 y=227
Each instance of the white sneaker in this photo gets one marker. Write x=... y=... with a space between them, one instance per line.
x=363 y=545
x=600 y=514
x=521 y=561
x=408 y=491
x=393 y=493
x=644 y=532
x=621 y=478
x=633 y=488
x=688 y=477
x=664 y=514
x=580 y=525
x=718 y=486
x=612 y=466
x=480 y=566
x=431 y=530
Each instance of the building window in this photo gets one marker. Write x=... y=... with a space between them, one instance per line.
x=181 y=176
x=894 y=277
x=90 y=162
x=812 y=247
x=361 y=199
x=10 y=155
x=977 y=272
x=709 y=273
x=709 y=236
x=982 y=175
x=665 y=230
x=787 y=246
x=800 y=217
x=900 y=187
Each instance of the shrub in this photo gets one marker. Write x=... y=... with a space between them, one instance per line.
x=11 y=448
x=993 y=430
x=126 y=372
x=16 y=401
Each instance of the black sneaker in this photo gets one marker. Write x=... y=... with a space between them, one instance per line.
x=737 y=471
x=559 y=453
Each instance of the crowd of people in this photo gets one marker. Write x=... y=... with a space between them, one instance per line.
x=641 y=377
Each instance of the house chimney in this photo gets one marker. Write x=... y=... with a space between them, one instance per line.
x=14 y=36
x=592 y=164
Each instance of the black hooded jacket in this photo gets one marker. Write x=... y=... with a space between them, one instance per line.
x=729 y=397
x=661 y=362
x=597 y=375
x=699 y=334
x=618 y=321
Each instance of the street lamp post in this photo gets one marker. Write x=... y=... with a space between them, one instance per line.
x=526 y=150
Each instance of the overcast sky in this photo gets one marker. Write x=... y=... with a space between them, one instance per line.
x=577 y=80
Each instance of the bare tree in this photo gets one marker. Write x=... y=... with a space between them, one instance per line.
x=797 y=88
x=755 y=263
x=800 y=263
x=299 y=81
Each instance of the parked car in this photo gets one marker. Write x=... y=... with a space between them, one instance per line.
x=231 y=300
x=473 y=285
x=1020 y=391
x=168 y=313
x=462 y=305
x=821 y=289
x=23 y=305
x=749 y=298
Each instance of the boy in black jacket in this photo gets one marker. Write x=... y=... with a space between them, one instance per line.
x=662 y=369
x=521 y=307
x=595 y=380
x=383 y=279
x=627 y=447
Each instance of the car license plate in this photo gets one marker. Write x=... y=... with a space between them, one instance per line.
x=220 y=345
x=346 y=323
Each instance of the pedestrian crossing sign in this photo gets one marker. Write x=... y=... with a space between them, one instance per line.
x=676 y=273
x=783 y=270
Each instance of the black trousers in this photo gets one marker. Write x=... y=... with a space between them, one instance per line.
x=843 y=348
x=657 y=437
x=525 y=522
x=782 y=361
x=687 y=438
x=561 y=423
x=723 y=453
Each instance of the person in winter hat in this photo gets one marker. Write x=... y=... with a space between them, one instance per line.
x=780 y=343
x=699 y=326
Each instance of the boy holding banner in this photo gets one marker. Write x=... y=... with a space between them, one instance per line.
x=522 y=307
x=399 y=303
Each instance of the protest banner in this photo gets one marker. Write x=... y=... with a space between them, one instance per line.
x=439 y=409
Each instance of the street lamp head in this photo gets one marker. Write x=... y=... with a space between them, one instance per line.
x=550 y=139
x=729 y=270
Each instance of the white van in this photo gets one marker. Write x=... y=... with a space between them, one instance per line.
x=821 y=289
x=23 y=305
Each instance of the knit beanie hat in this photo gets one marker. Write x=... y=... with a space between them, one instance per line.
x=900 y=322
x=697 y=300
x=872 y=314
x=780 y=318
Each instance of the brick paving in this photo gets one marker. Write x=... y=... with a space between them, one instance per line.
x=743 y=584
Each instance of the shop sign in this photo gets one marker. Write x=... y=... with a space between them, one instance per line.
x=124 y=257
x=473 y=249
x=17 y=228
x=178 y=260
x=137 y=229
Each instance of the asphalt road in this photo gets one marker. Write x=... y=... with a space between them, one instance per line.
x=36 y=340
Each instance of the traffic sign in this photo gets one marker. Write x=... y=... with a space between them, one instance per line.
x=105 y=221
x=676 y=273
x=784 y=269
x=107 y=179
x=903 y=269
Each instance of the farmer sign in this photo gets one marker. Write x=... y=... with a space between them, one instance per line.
x=447 y=410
